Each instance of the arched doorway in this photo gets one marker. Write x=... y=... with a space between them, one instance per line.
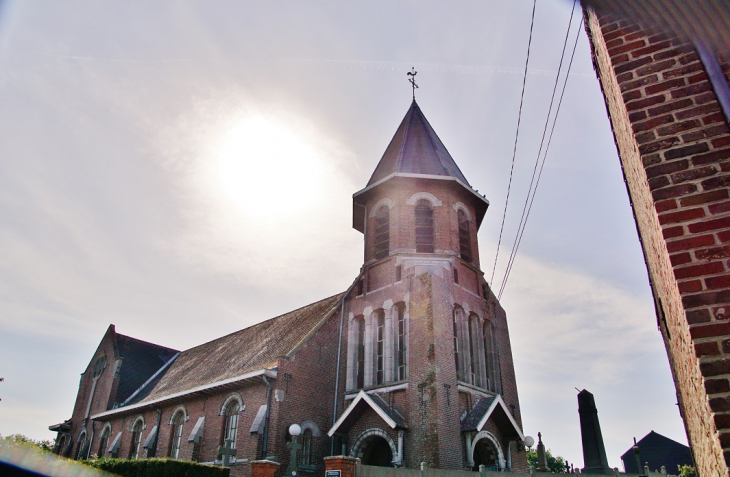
x=486 y=451
x=375 y=447
x=376 y=451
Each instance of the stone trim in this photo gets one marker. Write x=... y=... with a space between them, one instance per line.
x=487 y=435
x=367 y=435
x=386 y=201
x=180 y=408
x=424 y=195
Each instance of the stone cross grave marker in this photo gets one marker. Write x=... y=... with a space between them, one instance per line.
x=226 y=451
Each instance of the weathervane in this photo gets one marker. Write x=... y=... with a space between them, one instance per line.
x=412 y=79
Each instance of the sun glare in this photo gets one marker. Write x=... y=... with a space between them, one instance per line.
x=268 y=168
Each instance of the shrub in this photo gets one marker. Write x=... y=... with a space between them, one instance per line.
x=158 y=468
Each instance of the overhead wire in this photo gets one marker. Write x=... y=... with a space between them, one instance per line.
x=542 y=142
x=517 y=134
x=518 y=239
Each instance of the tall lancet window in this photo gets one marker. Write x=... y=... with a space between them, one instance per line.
x=359 y=323
x=177 y=430
x=473 y=349
x=230 y=423
x=136 y=443
x=382 y=232
x=424 y=226
x=461 y=344
x=402 y=366
x=464 y=237
x=491 y=355
x=379 y=324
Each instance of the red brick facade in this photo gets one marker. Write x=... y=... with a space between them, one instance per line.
x=674 y=145
x=418 y=410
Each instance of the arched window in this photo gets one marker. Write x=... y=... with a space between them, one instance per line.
x=461 y=345
x=382 y=232
x=464 y=236
x=104 y=441
x=81 y=449
x=491 y=355
x=307 y=447
x=359 y=324
x=230 y=423
x=474 y=346
x=401 y=356
x=136 y=443
x=177 y=430
x=379 y=323
x=424 y=226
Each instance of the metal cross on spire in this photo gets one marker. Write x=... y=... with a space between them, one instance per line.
x=412 y=79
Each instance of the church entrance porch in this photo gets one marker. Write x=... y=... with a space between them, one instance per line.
x=376 y=451
x=374 y=447
x=485 y=453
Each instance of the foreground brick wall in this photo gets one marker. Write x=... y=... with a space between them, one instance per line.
x=673 y=143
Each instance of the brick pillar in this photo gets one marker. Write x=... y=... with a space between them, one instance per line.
x=674 y=146
x=264 y=468
x=346 y=465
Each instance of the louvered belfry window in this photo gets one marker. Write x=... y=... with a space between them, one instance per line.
x=464 y=239
x=424 y=227
x=382 y=232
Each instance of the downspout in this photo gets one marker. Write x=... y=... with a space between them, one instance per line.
x=157 y=436
x=265 y=446
x=339 y=340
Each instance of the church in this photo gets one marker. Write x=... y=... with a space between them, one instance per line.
x=411 y=364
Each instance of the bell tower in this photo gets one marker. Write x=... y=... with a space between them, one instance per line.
x=427 y=341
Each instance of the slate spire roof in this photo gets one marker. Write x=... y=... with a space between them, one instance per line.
x=416 y=149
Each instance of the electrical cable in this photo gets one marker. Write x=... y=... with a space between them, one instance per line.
x=547 y=148
x=542 y=142
x=517 y=134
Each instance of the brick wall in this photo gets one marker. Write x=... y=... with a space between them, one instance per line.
x=673 y=144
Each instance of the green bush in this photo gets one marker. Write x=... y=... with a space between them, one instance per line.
x=158 y=468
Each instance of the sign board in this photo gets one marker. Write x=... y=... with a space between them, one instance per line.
x=333 y=473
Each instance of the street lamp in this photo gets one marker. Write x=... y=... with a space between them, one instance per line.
x=294 y=430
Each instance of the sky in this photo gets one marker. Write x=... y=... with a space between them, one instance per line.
x=184 y=169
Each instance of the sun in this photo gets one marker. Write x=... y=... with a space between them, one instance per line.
x=269 y=167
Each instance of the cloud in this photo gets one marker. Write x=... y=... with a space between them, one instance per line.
x=570 y=330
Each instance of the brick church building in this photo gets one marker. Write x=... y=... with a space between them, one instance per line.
x=411 y=364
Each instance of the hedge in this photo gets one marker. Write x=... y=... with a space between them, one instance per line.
x=158 y=468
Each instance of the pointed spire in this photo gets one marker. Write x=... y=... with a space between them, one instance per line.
x=416 y=149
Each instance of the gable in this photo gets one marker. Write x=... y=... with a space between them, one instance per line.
x=363 y=403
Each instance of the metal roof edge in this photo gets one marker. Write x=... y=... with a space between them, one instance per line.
x=261 y=372
x=421 y=176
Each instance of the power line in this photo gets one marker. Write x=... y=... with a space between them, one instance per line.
x=517 y=134
x=544 y=157
x=542 y=142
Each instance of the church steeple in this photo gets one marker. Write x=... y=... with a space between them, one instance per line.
x=416 y=149
x=416 y=153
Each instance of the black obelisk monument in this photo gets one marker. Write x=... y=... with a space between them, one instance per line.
x=594 y=453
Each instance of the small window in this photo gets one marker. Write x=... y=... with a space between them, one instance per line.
x=177 y=430
x=464 y=237
x=360 y=287
x=398 y=273
x=81 y=449
x=424 y=226
x=136 y=443
x=104 y=442
x=307 y=447
x=230 y=424
x=456 y=276
x=382 y=232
